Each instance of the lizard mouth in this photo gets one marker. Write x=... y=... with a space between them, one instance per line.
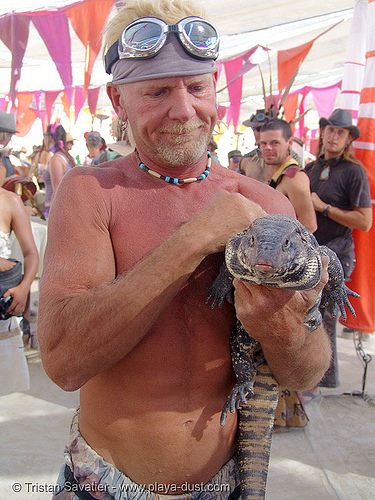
x=263 y=268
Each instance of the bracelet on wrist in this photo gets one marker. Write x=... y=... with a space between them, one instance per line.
x=326 y=210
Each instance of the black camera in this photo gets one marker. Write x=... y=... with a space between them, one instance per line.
x=4 y=304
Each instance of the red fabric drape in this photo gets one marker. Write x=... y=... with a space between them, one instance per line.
x=289 y=61
x=25 y=115
x=88 y=19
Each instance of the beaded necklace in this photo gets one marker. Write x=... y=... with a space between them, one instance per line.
x=174 y=180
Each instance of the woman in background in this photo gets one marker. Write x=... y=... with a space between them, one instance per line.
x=14 y=375
x=58 y=165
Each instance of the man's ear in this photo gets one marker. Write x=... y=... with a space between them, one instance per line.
x=215 y=77
x=116 y=100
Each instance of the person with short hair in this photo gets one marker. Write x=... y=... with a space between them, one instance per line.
x=122 y=312
x=95 y=145
x=276 y=140
x=234 y=159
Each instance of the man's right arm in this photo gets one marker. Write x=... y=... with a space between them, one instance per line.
x=89 y=319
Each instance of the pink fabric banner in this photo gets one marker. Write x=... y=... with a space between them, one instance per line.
x=14 y=33
x=92 y=99
x=54 y=30
x=234 y=89
x=79 y=100
x=324 y=99
x=50 y=98
x=252 y=58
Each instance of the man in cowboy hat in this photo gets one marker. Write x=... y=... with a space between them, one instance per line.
x=342 y=202
x=7 y=129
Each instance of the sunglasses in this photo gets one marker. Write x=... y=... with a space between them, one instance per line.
x=145 y=37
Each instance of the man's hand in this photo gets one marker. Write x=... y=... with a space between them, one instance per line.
x=319 y=204
x=224 y=216
x=275 y=316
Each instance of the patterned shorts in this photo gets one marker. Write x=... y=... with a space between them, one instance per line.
x=100 y=479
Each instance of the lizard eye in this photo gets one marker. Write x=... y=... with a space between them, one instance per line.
x=251 y=241
x=286 y=244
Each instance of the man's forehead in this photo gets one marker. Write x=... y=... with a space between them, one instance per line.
x=174 y=81
x=337 y=129
x=272 y=134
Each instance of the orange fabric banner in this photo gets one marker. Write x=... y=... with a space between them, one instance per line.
x=66 y=103
x=25 y=115
x=289 y=61
x=290 y=107
x=88 y=19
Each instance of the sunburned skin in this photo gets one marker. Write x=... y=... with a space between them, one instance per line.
x=155 y=413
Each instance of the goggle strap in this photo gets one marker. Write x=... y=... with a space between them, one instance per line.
x=111 y=57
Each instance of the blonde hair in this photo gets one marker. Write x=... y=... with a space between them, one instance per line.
x=171 y=11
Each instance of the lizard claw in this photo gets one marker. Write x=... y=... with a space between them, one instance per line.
x=238 y=395
x=218 y=297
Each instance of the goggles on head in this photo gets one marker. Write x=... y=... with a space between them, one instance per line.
x=145 y=37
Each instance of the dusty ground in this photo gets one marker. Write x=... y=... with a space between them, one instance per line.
x=332 y=458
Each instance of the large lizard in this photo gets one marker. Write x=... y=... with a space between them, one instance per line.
x=276 y=250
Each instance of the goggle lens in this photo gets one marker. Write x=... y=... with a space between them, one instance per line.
x=201 y=34
x=142 y=36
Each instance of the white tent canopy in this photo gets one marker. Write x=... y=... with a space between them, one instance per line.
x=277 y=25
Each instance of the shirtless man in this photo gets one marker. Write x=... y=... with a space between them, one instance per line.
x=287 y=176
x=122 y=302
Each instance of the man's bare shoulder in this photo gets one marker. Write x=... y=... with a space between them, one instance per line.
x=268 y=198
x=271 y=200
x=105 y=173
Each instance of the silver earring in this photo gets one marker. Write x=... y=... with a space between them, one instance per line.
x=122 y=129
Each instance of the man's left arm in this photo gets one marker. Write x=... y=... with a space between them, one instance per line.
x=297 y=357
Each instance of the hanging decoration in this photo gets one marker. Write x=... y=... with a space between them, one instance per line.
x=14 y=33
x=87 y=18
x=362 y=280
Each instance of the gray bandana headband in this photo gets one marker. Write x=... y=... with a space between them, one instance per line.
x=171 y=61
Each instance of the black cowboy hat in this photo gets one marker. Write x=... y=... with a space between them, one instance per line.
x=343 y=119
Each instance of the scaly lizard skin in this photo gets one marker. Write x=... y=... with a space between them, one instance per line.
x=276 y=250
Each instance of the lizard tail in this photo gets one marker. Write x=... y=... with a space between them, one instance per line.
x=255 y=425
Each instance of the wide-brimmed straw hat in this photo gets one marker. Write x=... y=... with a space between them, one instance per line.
x=343 y=119
x=7 y=122
x=69 y=138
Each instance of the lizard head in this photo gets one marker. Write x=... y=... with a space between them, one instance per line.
x=276 y=250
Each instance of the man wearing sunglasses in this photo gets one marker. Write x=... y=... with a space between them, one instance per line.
x=122 y=312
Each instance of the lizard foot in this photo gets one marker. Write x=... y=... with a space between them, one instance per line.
x=238 y=395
